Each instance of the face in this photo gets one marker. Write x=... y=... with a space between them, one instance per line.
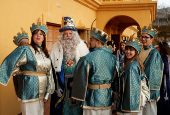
x=158 y=48
x=130 y=52
x=38 y=38
x=114 y=48
x=68 y=33
x=122 y=46
x=92 y=42
x=146 y=40
x=24 y=42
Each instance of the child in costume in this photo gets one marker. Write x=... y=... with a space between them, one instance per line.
x=133 y=81
x=22 y=40
x=33 y=64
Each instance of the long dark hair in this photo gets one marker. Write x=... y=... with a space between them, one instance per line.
x=122 y=42
x=164 y=48
x=34 y=45
x=135 y=57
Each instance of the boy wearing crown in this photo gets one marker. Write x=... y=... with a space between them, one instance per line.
x=153 y=64
x=65 y=54
x=93 y=76
x=21 y=40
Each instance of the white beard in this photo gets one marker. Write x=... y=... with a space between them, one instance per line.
x=69 y=45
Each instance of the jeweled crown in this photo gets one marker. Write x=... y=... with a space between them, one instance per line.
x=20 y=36
x=149 y=30
x=38 y=26
x=100 y=35
x=135 y=43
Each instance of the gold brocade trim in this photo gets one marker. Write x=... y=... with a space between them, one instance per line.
x=148 y=34
x=34 y=73
x=102 y=86
x=31 y=48
x=40 y=29
x=97 y=39
x=60 y=99
x=12 y=71
x=77 y=98
x=96 y=108
x=30 y=100
x=162 y=75
x=104 y=33
x=158 y=99
x=144 y=54
x=128 y=113
x=134 y=48
x=85 y=88
x=109 y=46
x=88 y=68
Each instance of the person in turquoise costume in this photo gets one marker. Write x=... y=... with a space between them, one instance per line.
x=22 y=40
x=94 y=75
x=33 y=64
x=133 y=81
x=153 y=64
x=65 y=54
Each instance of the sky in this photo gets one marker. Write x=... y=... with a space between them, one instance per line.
x=164 y=2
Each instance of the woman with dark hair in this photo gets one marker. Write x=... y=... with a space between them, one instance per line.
x=163 y=104
x=32 y=63
x=121 y=54
x=132 y=82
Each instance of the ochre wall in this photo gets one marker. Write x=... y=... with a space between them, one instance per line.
x=22 y=13
x=130 y=31
x=142 y=17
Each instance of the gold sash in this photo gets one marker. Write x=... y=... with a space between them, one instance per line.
x=34 y=73
x=103 y=86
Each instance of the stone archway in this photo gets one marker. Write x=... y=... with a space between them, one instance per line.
x=116 y=25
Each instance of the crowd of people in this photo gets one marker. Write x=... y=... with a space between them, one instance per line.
x=82 y=80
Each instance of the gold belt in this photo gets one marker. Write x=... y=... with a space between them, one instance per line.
x=103 y=86
x=34 y=73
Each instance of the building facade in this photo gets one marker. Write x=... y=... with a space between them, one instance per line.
x=112 y=16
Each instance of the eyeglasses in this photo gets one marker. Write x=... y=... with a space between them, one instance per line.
x=145 y=37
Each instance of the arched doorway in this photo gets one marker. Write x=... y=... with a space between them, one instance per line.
x=117 y=25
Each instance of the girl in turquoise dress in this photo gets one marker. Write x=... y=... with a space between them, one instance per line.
x=132 y=79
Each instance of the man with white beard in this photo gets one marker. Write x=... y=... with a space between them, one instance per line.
x=65 y=54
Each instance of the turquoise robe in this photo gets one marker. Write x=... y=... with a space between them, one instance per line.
x=154 y=71
x=130 y=80
x=97 y=68
x=69 y=108
x=28 y=86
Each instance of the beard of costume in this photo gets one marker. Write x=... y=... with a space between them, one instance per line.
x=69 y=45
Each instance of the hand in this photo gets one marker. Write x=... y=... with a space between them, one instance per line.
x=59 y=92
x=71 y=84
x=44 y=100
